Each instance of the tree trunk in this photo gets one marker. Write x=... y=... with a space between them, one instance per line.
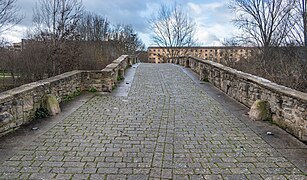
x=305 y=27
x=13 y=77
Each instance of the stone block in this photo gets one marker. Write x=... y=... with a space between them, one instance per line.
x=95 y=75
x=5 y=117
x=302 y=108
x=260 y=111
x=28 y=103
x=5 y=106
x=51 y=104
x=225 y=85
x=304 y=115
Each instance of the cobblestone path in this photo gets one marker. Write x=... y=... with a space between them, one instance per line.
x=167 y=128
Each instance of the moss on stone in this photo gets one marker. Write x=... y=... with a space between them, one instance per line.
x=51 y=104
x=260 y=110
x=262 y=107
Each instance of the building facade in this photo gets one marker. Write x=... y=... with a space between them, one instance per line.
x=216 y=54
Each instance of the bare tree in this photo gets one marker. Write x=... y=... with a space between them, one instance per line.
x=8 y=18
x=35 y=62
x=298 y=34
x=278 y=28
x=172 y=27
x=93 y=27
x=265 y=23
x=57 y=20
x=126 y=38
x=8 y=15
x=303 y=12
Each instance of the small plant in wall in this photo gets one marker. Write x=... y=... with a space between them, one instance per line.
x=71 y=96
x=206 y=80
x=114 y=87
x=41 y=113
x=120 y=78
x=92 y=89
x=76 y=93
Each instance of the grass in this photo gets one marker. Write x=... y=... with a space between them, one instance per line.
x=92 y=89
x=71 y=96
x=8 y=75
x=4 y=77
x=41 y=113
x=120 y=78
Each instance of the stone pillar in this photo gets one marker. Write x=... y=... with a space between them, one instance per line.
x=108 y=80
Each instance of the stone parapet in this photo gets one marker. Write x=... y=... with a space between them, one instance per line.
x=18 y=105
x=288 y=106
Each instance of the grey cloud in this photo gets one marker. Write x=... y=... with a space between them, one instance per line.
x=135 y=12
x=223 y=14
x=26 y=10
x=124 y=12
x=212 y=38
x=118 y=11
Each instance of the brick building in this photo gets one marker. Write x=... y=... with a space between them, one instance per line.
x=216 y=54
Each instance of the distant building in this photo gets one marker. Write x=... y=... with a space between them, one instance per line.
x=20 y=46
x=15 y=47
x=216 y=54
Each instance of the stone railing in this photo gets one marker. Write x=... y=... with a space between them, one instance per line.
x=288 y=106
x=18 y=105
x=106 y=79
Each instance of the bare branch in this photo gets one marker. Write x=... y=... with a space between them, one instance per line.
x=172 y=27
x=8 y=15
x=57 y=20
x=265 y=22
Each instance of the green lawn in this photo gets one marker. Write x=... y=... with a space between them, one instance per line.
x=7 y=75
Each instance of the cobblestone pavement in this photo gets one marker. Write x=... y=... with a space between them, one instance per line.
x=166 y=128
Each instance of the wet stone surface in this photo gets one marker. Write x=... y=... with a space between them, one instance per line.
x=166 y=128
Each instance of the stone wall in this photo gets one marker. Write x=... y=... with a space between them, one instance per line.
x=288 y=106
x=105 y=79
x=18 y=105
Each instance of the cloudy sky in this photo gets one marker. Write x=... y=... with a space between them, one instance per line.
x=212 y=17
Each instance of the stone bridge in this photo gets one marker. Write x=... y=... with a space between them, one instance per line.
x=160 y=122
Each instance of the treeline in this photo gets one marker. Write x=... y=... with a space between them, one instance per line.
x=278 y=31
x=65 y=37
x=285 y=65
